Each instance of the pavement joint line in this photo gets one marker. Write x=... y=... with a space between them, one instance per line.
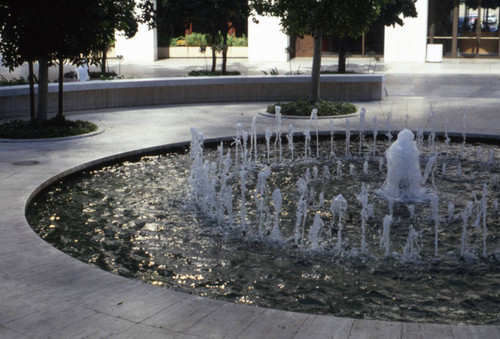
x=302 y=325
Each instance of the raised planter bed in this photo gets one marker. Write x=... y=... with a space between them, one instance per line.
x=194 y=52
x=14 y=100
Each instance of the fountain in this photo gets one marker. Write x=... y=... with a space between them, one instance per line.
x=404 y=178
x=302 y=230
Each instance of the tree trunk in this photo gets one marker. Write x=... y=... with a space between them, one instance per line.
x=316 y=66
x=342 y=56
x=214 y=59
x=103 y=61
x=60 y=115
x=32 y=90
x=43 y=89
x=224 y=55
x=478 y=26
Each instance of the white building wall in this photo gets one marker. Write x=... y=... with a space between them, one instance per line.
x=142 y=47
x=408 y=43
x=266 y=41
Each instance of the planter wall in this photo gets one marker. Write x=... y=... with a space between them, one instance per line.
x=14 y=100
x=194 y=52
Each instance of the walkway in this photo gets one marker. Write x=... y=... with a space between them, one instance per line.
x=45 y=293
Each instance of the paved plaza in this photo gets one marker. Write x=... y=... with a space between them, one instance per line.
x=45 y=293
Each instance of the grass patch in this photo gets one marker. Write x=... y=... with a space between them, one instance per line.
x=52 y=128
x=304 y=108
x=203 y=73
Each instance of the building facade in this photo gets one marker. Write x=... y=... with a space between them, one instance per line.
x=443 y=28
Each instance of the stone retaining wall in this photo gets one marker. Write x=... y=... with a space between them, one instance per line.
x=14 y=100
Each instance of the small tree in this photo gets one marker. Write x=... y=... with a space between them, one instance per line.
x=20 y=41
x=213 y=17
x=339 y=18
x=53 y=31
x=391 y=13
x=114 y=16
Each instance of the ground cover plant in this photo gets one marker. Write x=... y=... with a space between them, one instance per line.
x=51 y=128
x=201 y=73
x=304 y=108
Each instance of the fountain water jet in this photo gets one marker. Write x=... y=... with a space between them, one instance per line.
x=404 y=178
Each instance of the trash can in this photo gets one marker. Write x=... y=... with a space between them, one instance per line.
x=434 y=53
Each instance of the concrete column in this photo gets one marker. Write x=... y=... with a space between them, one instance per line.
x=409 y=42
x=266 y=41
x=142 y=47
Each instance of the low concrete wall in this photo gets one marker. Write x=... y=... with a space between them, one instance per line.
x=194 y=52
x=14 y=100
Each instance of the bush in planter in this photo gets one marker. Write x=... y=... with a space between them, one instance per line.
x=12 y=82
x=202 y=73
x=51 y=128
x=304 y=108
x=196 y=39
x=199 y=39
x=237 y=41
x=179 y=41
x=105 y=76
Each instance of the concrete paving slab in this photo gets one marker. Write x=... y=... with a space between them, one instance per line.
x=226 y=322
x=475 y=332
x=184 y=314
x=284 y=324
x=141 y=307
x=6 y=333
x=97 y=325
x=419 y=331
x=20 y=306
x=48 y=320
x=144 y=331
x=375 y=329
x=319 y=326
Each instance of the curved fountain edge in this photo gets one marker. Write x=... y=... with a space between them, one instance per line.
x=307 y=323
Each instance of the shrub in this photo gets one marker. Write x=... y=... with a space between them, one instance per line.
x=105 y=76
x=199 y=39
x=12 y=82
x=196 y=39
x=304 y=108
x=179 y=41
x=52 y=128
x=237 y=41
x=202 y=73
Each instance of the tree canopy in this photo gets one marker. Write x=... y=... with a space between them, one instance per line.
x=334 y=17
x=482 y=3
x=339 y=18
x=393 y=11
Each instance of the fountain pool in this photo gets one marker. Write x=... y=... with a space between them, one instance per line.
x=246 y=223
